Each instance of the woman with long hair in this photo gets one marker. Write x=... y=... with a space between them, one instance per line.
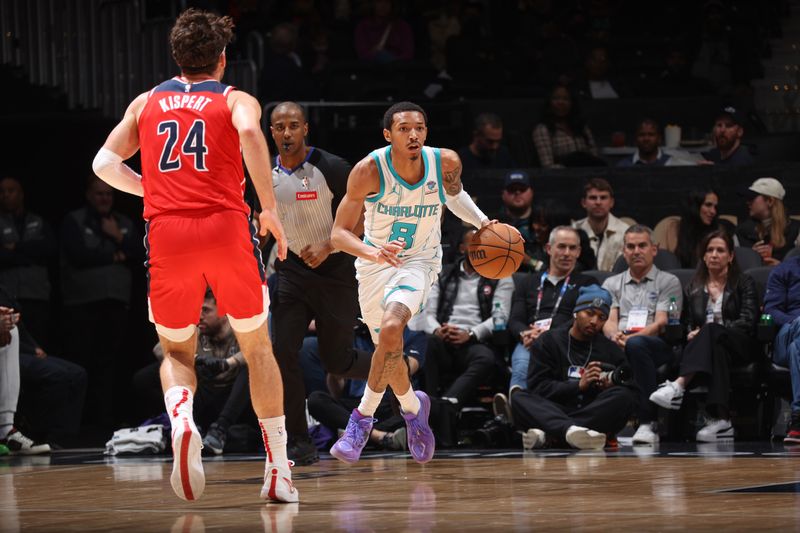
x=721 y=309
x=698 y=218
x=769 y=231
x=562 y=138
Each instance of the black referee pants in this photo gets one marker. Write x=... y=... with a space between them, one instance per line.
x=301 y=296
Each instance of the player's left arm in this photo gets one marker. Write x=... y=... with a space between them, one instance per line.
x=121 y=144
x=246 y=118
x=457 y=199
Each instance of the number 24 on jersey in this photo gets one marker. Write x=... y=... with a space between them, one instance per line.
x=193 y=145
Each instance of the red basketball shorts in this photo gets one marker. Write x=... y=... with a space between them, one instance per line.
x=188 y=254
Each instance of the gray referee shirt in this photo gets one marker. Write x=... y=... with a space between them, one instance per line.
x=307 y=197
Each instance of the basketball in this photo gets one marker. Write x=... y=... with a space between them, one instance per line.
x=496 y=251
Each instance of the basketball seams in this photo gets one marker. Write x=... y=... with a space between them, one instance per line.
x=491 y=241
x=482 y=245
x=505 y=262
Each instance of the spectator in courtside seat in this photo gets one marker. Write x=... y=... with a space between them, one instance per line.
x=769 y=230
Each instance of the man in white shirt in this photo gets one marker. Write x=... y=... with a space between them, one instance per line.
x=605 y=231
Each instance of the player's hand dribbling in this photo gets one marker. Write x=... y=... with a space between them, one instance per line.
x=387 y=253
x=268 y=221
x=488 y=222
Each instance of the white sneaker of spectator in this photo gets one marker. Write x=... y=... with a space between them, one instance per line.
x=669 y=396
x=646 y=434
x=716 y=431
x=532 y=439
x=20 y=444
x=585 y=439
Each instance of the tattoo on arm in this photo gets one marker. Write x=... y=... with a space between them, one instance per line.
x=452 y=180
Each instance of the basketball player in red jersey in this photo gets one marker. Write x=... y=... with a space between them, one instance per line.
x=192 y=131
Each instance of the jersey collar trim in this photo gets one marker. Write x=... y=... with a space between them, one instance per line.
x=397 y=176
x=291 y=171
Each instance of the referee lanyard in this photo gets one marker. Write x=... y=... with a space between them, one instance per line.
x=541 y=294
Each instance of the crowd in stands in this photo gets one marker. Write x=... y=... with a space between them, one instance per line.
x=447 y=48
x=697 y=269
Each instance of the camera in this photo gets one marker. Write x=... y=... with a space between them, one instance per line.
x=618 y=375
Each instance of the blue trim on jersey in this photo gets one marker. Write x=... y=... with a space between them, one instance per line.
x=437 y=156
x=379 y=195
x=146 y=242
x=291 y=171
x=177 y=86
x=366 y=241
x=262 y=272
x=399 y=288
x=397 y=176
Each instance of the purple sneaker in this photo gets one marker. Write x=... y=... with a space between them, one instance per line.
x=421 y=442
x=348 y=448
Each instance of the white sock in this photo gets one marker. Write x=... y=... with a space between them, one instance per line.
x=6 y=423
x=273 y=431
x=370 y=401
x=179 y=401
x=409 y=402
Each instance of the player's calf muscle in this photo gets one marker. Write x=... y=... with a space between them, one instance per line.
x=390 y=364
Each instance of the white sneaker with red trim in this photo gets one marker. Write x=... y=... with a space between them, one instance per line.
x=278 y=486
x=188 y=479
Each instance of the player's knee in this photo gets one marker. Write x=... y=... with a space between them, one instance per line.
x=176 y=335
x=391 y=331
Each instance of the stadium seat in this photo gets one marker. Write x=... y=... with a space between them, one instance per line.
x=599 y=275
x=747 y=258
x=685 y=275
x=793 y=252
x=665 y=260
x=760 y=275
x=661 y=228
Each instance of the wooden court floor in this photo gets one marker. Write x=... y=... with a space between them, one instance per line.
x=746 y=487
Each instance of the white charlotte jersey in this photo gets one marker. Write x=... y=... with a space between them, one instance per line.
x=407 y=213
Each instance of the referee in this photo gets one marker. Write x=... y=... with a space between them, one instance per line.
x=315 y=282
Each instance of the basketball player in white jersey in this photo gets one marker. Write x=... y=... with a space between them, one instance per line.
x=403 y=188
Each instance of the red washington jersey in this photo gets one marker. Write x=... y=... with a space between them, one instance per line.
x=191 y=155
